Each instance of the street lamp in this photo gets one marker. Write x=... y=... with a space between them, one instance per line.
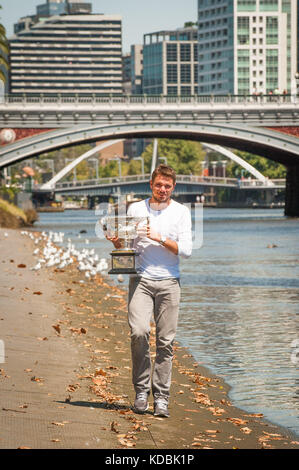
x=51 y=165
x=224 y=162
x=116 y=157
x=142 y=163
x=214 y=167
x=154 y=156
x=163 y=158
x=97 y=166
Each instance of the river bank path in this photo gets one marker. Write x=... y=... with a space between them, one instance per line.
x=65 y=378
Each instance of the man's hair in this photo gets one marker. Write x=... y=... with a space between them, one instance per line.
x=166 y=171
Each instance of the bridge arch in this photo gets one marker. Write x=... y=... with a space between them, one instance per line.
x=271 y=144
x=51 y=183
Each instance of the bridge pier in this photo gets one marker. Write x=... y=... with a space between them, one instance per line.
x=292 y=191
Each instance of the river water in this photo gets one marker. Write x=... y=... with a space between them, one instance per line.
x=239 y=305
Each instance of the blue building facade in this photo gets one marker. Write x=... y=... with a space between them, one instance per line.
x=170 y=62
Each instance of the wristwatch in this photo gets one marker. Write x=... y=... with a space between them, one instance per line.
x=162 y=240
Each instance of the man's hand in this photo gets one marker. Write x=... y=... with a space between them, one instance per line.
x=147 y=231
x=115 y=240
x=152 y=234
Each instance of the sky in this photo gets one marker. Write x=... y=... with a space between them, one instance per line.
x=138 y=16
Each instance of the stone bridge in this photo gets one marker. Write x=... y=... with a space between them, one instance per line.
x=266 y=126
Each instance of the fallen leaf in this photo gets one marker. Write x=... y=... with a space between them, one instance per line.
x=72 y=388
x=21 y=265
x=55 y=440
x=37 y=293
x=99 y=381
x=113 y=426
x=271 y=434
x=70 y=291
x=246 y=430
x=237 y=421
x=78 y=330
x=56 y=328
x=216 y=411
x=127 y=443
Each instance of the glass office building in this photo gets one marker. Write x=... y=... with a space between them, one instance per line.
x=78 y=53
x=246 y=46
x=170 y=62
x=60 y=7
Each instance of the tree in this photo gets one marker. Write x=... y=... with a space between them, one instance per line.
x=190 y=24
x=4 y=51
x=183 y=156
x=267 y=167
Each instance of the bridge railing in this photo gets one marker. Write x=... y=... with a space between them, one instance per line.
x=280 y=182
x=95 y=99
x=180 y=179
x=103 y=181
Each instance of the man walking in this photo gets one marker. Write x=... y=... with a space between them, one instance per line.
x=155 y=290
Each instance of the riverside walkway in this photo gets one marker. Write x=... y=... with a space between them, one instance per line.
x=66 y=379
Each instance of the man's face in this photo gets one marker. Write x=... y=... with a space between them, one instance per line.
x=162 y=188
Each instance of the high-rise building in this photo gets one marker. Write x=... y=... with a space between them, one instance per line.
x=136 y=68
x=51 y=8
x=170 y=62
x=246 y=46
x=67 y=53
x=132 y=70
x=126 y=64
x=59 y=7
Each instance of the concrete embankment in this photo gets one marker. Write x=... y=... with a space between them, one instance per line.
x=66 y=379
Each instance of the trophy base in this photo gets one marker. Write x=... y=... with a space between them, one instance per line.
x=122 y=271
x=123 y=262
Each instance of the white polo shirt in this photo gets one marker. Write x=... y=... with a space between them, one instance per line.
x=174 y=222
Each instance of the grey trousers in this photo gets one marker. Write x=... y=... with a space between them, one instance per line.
x=160 y=299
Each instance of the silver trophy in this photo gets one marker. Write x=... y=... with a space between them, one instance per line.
x=126 y=229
